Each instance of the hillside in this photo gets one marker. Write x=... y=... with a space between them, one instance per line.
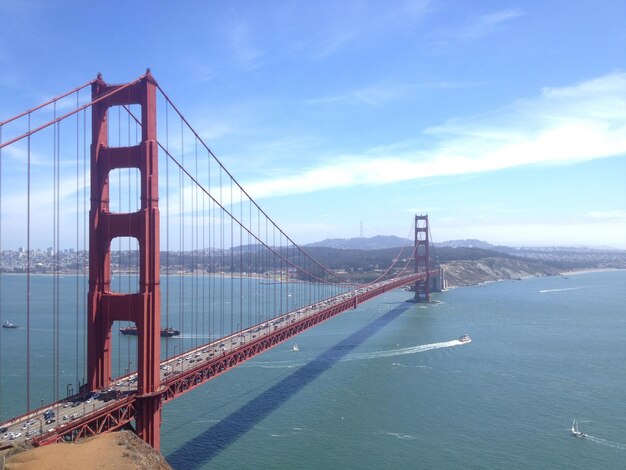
x=121 y=450
x=471 y=262
x=472 y=272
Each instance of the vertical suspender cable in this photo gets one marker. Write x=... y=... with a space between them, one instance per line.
x=241 y=262
x=181 y=203
x=204 y=277
x=28 y=271
x=250 y=270
x=54 y=246
x=55 y=214
x=119 y=239
x=282 y=267
x=167 y=225
x=195 y=247
x=258 y=269
x=220 y=241
x=129 y=209
x=208 y=267
x=232 y=261
x=272 y=311
x=211 y=271
x=85 y=246
x=57 y=249
x=77 y=246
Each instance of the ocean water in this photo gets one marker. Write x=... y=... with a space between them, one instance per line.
x=387 y=386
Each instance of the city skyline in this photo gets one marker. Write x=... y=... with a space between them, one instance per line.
x=505 y=124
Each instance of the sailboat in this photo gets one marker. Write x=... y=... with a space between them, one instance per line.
x=576 y=432
x=296 y=348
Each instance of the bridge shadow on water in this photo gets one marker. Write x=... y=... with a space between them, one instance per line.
x=206 y=446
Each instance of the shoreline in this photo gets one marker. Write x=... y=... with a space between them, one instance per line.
x=575 y=272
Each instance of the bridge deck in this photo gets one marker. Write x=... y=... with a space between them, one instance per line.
x=115 y=408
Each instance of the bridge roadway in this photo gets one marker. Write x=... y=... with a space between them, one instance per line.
x=107 y=410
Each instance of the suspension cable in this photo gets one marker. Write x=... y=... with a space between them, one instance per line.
x=43 y=105
x=71 y=113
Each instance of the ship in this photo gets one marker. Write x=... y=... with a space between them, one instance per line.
x=465 y=338
x=165 y=332
x=8 y=324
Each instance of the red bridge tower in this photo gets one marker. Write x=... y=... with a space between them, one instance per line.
x=422 y=258
x=143 y=307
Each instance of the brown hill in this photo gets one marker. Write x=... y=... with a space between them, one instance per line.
x=112 y=451
x=472 y=272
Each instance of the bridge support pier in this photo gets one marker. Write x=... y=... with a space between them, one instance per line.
x=149 y=419
x=143 y=307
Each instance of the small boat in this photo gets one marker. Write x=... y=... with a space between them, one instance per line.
x=576 y=432
x=465 y=338
x=296 y=348
x=165 y=332
x=8 y=324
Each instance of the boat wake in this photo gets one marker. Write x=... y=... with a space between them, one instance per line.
x=397 y=364
x=544 y=291
x=403 y=351
x=273 y=365
x=605 y=442
x=397 y=435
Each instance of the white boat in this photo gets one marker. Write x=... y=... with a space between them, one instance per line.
x=8 y=324
x=576 y=432
x=465 y=338
x=296 y=348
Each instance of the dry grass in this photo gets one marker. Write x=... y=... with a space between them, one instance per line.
x=120 y=450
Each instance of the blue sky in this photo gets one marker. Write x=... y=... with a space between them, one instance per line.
x=504 y=121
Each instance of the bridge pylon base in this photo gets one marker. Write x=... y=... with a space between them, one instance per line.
x=149 y=420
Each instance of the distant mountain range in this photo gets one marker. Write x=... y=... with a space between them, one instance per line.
x=379 y=242
x=468 y=243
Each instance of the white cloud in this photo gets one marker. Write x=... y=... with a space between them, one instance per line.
x=561 y=126
x=483 y=25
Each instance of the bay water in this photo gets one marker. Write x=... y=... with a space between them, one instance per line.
x=387 y=386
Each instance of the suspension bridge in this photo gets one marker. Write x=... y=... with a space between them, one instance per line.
x=116 y=199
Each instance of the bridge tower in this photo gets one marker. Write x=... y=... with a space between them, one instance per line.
x=422 y=258
x=144 y=307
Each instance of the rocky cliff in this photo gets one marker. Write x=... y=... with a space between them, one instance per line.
x=472 y=272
